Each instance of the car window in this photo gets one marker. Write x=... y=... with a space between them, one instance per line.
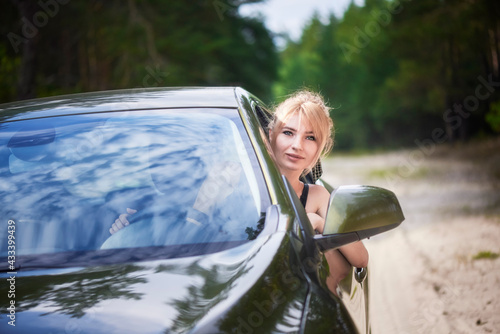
x=263 y=115
x=64 y=180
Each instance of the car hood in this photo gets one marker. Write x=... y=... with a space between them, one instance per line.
x=174 y=295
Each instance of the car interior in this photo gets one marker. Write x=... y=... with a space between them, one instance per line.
x=65 y=180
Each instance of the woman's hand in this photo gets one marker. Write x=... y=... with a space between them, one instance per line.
x=121 y=221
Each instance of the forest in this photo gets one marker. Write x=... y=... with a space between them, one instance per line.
x=397 y=73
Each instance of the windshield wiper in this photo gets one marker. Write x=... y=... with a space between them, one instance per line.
x=115 y=256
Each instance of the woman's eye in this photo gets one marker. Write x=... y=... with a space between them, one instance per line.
x=287 y=133
x=311 y=138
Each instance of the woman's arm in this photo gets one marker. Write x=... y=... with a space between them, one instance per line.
x=317 y=222
x=317 y=206
x=355 y=253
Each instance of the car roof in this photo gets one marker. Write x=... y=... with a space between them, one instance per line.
x=126 y=99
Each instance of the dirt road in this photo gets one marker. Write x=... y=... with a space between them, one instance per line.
x=439 y=272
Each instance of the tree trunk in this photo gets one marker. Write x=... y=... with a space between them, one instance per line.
x=27 y=72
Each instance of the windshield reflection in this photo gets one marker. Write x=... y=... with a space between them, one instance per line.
x=66 y=179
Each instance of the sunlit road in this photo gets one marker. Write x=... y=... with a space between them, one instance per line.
x=424 y=278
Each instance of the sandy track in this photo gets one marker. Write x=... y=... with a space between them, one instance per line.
x=424 y=278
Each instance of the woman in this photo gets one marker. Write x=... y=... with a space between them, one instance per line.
x=300 y=133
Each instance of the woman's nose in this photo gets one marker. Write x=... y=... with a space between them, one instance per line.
x=297 y=143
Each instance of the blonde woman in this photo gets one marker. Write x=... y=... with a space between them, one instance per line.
x=300 y=133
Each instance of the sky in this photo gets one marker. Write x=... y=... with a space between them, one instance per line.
x=290 y=16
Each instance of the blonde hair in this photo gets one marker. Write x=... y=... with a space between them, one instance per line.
x=313 y=109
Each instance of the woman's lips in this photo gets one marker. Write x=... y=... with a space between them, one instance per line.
x=294 y=157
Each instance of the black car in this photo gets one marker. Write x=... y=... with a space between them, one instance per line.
x=70 y=165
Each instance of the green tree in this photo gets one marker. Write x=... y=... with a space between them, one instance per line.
x=397 y=70
x=97 y=45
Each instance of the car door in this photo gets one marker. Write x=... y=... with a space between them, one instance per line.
x=353 y=290
x=332 y=306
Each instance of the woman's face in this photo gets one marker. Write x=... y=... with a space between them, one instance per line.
x=295 y=146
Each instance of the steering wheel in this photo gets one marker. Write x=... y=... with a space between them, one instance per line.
x=147 y=230
x=137 y=234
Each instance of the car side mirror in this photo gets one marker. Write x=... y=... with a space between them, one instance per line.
x=356 y=213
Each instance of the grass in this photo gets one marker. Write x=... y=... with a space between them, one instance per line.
x=485 y=255
x=419 y=173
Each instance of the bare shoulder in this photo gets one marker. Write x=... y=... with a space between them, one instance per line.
x=319 y=199
x=318 y=191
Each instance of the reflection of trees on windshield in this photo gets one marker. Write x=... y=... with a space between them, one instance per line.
x=254 y=232
x=66 y=179
x=76 y=293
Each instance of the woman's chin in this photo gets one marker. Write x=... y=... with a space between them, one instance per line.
x=290 y=167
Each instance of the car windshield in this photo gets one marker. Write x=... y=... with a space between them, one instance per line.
x=190 y=174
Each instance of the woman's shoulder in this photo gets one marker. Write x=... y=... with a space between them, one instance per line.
x=318 y=200
x=319 y=194
x=318 y=190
